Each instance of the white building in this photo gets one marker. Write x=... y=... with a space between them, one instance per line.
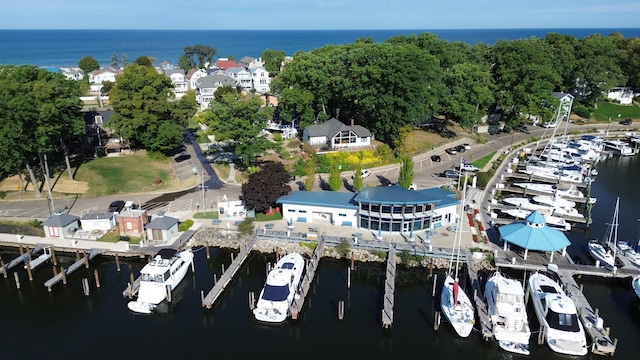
x=337 y=135
x=179 y=80
x=622 y=94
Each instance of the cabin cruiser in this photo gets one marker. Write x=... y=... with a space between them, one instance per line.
x=554 y=173
x=279 y=289
x=558 y=315
x=526 y=204
x=571 y=191
x=619 y=147
x=551 y=221
x=560 y=205
x=629 y=252
x=159 y=277
x=505 y=298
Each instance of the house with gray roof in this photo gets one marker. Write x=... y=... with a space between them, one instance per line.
x=162 y=229
x=337 y=135
x=61 y=225
x=208 y=85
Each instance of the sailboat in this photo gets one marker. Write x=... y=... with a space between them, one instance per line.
x=456 y=305
x=603 y=253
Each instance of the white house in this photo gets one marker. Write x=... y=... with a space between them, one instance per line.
x=337 y=135
x=72 y=73
x=194 y=76
x=242 y=77
x=622 y=94
x=162 y=229
x=250 y=62
x=61 y=225
x=179 y=80
x=99 y=221
x=260 y=79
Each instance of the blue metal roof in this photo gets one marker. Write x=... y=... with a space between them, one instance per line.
x=320 y=198
x=399 y=195
x=533 y=234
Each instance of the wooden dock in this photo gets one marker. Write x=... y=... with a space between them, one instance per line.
x=24 y=257
x=389 y=288
x=88 y=256
x=478 y=297
x=312 y=266
x=227 y=276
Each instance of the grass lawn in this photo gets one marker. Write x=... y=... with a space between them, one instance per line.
x=206 y=215
x=606 y=109
x=123 y=175
x=480 y=163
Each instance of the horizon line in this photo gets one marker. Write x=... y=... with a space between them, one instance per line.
x=364 y=29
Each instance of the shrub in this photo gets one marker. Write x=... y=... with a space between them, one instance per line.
x=582 y=111
x=155 y=155
x=343 y=248
x=284 y=154
x=246 y=227
x=34 y=223
x=185 y=225
x=157 y=180
x=2 y=194
x=310 y=245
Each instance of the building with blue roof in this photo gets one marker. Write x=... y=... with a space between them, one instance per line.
x=384 y=208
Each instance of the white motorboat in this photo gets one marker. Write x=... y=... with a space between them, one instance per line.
x=526 y=204
x=34 y=263
x=159 y=277
x=604 y=253
x=555 y=174
x=558 y=316
x=625 y=248
x=279 y=289
x=560 y=205
x=619 y=147
x=505 y=298
x=571 y=191
x=635 y=283
x=553 y=221
x=454 y=302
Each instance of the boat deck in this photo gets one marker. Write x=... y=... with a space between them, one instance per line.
x=312 y=266
x=389 y=288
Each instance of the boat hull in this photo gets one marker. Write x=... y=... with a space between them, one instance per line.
x=505 y=299
x=460 y=315
x=286 y=276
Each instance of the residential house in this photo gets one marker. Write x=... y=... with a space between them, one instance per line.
x=179 y=80
x=207 y=87
x=622 y=94
x=225 y=64
x=260 y=79
x=162 y=229
x=72 y=73
x=250 y=62
x=194 y=76
x=337 y=135
x=96 y=77
x=61 y=225
x=242 y=77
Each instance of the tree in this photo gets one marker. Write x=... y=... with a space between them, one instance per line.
x=88 y=64
x=125 y=60
x=335 y=180
x=204 y=53
x=263 y=189
x=358 y=183
x=142 y=112
x=114 y=61
x=406 y=172
x=595 y=68
x=310 y=174
x=470 y=88
x=144 y=61
x=106 y=87
x=184 y=108
x=273 y=60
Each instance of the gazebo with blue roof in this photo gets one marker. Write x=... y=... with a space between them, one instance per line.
x=533 y=234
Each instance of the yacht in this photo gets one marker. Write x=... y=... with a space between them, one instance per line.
x=505 y=298
x=629 y=252
x=571 y=191
x=560 y=205
x=525 y=204
x=558 y=316
x=552 y=221
x=165 y=271
x=619 y=147
x=279 y=289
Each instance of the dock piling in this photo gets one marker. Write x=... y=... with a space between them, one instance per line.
x=17 y=279
x=168 y=290
x=352 y=261
x=252 y=300
x=95 y=275
x=53 y=256
x=64 y=275
x=85 y=286
x=117 y=263
x=341 y=309
x=222 y=269
x=349 y=278
x=29 y=273
x=86 y=260
x=436 y=320
x=206 y=247
x=435 y=282
x=4 y=269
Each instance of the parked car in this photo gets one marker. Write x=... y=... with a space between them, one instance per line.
x=451 y=174
x=468 y=167
x=364 y=174
x=467 y=146
x=461 y=148
x=451 y=151
x=183 y=157
x=436 y=158
x=116 y=206
x=627 y=121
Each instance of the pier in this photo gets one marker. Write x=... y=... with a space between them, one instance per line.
x=389 y=288
x=221 y=284
x=88 y=256
x=24 y=257
x=312 y=266
x=478 y=298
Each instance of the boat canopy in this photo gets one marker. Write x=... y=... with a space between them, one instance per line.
x=275 y=293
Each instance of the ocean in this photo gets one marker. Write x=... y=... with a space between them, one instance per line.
x=59 y=48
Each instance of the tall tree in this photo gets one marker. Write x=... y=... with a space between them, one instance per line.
x=115 y=64
x=273 y=60
x=183 y=109
x=125 y=60
x=470 y=88
x=358 y=183
x=406 y=172
x=144 y=61
x=262 y=190
x=88 y=64
x=310 y=174
x=595 y=67
x=204 y=53
x=335 y=180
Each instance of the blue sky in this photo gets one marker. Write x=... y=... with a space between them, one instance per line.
x=317 y=14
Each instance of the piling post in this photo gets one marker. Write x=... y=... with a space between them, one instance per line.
x=222 y=269
x=53 y=256
x=231 y=256
x=77 y=255
x=341 y=309
x=352 y=261
x=95 y=275
x=436 y=321
x=215 y=279
x=252 y=302
x=206 y=247
x=86 y=260
x=431 y=268
x=17 y=278
x=168 y=289
x=55 y=270
x=64 y=275
x=4 y=269
x=28 y=254
x=597 y=311
x=29 y=273
x=85 y=286
x=348 y=278
x=21 y=251
x=117 y=263
x=131 y=278
x=277 y=253
x=435 y=282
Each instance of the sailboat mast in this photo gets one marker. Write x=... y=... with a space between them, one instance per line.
x=459 y=232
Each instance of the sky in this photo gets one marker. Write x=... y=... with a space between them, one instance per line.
x=317 y=14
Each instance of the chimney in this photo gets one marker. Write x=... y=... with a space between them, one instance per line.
x=351 y=121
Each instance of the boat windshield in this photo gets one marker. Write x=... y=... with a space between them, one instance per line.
x=275 y=293
x=152 y=277
x=563 y=322
x=512 y=299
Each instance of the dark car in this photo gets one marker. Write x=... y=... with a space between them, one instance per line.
x=461 y=148
x=436 y=158
x=183 y=157
x=451 y=151
x=626 y=122
x=451 y=174
x=116 y=206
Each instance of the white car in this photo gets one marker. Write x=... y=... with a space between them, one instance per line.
x=468 y=168
x=364 y=174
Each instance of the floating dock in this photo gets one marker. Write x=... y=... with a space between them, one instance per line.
x=227 y=276
x=88 y=256
x=389 y=288
x=312 y=266
x=24 y=257
x=478 y=297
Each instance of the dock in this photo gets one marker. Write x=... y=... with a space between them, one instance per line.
x=312 y=266
x=221 y=284
x=389 y=288
x=88 y=256
x=478 y=298
x=24 y=257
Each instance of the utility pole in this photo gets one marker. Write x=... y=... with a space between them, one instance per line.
x=203 y=190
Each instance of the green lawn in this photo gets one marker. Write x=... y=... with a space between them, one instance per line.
x=123 y=175
x=480 y=163
x=616 y=112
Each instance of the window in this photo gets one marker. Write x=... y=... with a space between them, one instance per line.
x=364 y=206
x=386 y=209
x=375 y=208
x=129 y=225
x=419 y=208
x=302 y=211
x=408 y=209
x=291 y=210
x=342 y=215
x=397 y=209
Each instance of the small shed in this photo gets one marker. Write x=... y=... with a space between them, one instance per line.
x=99 y=221
x=162 y=228
x=61 y=225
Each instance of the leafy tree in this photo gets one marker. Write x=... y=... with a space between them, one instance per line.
x=263 y=189
x=358 y=183
x=406 y=172
x=106 y=87
x=406 y=141
x=595 y=67
x=144 y=61
x=114 y=61
x=88 y=64
x=184 y=108
x=142 y=112
x=204 y=53
x=335 y=180
x=273 y=60
x=470 y=88
x=310 y=174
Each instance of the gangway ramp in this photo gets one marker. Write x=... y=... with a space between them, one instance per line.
x=312 y=266
x=389 y=288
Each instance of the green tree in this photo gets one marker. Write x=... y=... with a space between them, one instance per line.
x=470 y=88
x=125 y=60
x=406 y=172
x=142 y=112
x=358 y=183
x=88 y=64
x=144 y=61
x=183 y=109
x=114 y=61
x=595 y=68
x=204 y=53
x=106 y=87
x=263 y=189
x=310 y=174
x=273 y=60
x=335 y=180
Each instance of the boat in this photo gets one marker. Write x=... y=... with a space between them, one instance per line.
x=619 y=147
x=34 y=263
x=603 y=253
x=505 y=298
x=454 y=302
x=560 y=205
x=159 y=277
x=552 y=221
x=557 y=315
x=635 y=284
x=572 y=191
x=625 y=248
x=279 y=289
x=526 y=204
